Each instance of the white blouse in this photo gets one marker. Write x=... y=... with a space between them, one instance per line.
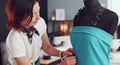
x=17 y=42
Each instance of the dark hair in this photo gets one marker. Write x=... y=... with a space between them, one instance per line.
x=17 y=11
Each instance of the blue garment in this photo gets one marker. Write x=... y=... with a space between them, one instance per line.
x=91 y=45
x=37 y=62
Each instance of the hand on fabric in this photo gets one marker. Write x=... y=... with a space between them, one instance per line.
x=68 y=52
x=71 y=60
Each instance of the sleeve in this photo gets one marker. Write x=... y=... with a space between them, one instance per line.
x=16 y=46
x=41 y=26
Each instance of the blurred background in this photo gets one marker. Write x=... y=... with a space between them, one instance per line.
x=59 y=15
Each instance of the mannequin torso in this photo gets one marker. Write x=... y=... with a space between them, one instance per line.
x=105 y=19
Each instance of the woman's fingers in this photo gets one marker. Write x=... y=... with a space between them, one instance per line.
x=71 y=60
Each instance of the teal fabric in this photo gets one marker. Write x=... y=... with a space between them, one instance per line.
x=91 y=45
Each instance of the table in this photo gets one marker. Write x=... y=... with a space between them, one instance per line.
x=54 y=60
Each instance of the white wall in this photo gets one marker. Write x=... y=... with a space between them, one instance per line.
x=71 y=7
x=114 y=5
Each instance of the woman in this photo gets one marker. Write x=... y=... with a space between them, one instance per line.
x=28 y=34
x=92 y=34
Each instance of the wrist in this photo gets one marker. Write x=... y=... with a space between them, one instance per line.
x=61 y=55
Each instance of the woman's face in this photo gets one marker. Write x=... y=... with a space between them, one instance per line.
x=35 y=18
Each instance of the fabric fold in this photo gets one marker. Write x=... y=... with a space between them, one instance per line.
x=91 y=45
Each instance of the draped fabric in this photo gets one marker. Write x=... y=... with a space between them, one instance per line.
x=91 y=45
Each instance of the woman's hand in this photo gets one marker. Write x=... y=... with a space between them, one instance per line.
x=68 y=52
x=71 y=60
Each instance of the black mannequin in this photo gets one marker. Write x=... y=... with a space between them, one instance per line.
x=93 y=14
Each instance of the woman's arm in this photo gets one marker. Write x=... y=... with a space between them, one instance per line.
x=22 y=61
x=47 y=47
x=70 y=60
